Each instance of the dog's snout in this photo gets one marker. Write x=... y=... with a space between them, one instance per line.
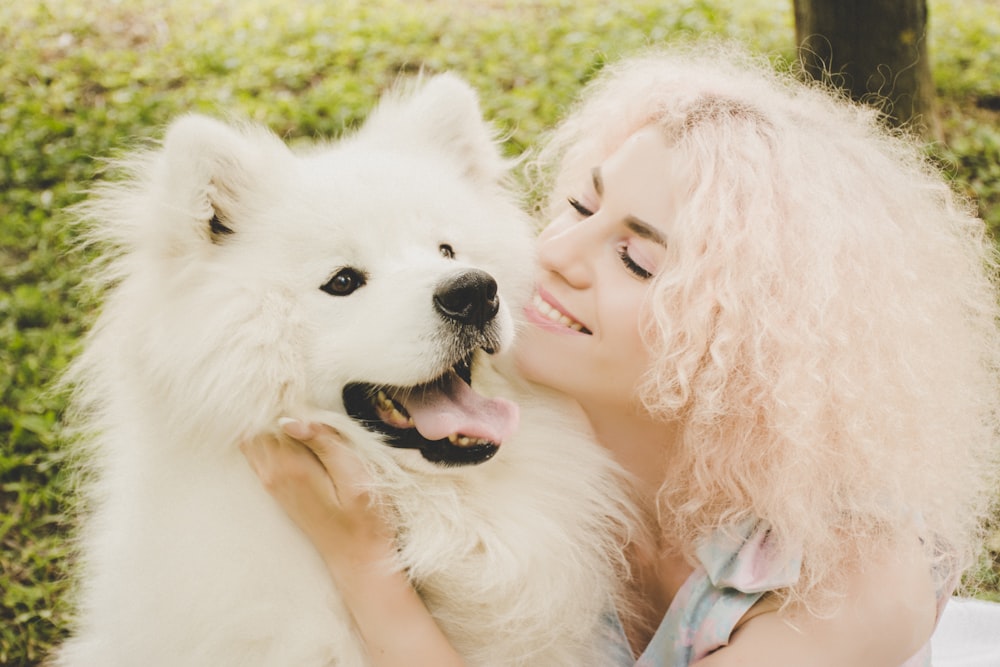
x=468 y=298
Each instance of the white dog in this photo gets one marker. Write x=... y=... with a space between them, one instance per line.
x=363 y=284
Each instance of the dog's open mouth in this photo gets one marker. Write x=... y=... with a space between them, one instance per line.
x=445 y=419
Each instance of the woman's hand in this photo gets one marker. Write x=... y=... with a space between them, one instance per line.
x=325 y=489
x=322 y=486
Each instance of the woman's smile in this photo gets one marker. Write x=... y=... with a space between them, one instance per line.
x=546 y=312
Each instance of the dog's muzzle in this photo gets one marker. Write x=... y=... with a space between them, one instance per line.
x=445 y=419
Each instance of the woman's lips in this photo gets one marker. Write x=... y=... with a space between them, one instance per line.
x=547 y=312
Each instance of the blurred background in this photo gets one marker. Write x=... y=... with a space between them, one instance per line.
x=82 y=80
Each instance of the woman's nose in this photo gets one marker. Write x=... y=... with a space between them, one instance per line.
x=567 y=250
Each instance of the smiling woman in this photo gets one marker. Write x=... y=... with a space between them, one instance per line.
x=804 y=246
x=595 y=276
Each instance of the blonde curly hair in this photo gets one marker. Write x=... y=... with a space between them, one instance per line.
x=825 y=327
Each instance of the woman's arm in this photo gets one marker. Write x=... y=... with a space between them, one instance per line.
x=886 y=615
x=322 y=486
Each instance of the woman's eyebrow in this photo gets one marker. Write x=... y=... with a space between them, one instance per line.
x=645 y=230
x=634 y=224
x=595 y=173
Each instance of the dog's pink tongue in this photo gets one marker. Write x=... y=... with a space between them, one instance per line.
x=452 y=407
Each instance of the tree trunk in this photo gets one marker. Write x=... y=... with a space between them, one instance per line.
x=874 y=49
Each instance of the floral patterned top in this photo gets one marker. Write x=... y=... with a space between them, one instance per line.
x=735 y=570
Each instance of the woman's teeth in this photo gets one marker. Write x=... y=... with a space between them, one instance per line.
x=552 y=314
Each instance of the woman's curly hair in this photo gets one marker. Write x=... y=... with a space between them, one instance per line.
x=825 y=327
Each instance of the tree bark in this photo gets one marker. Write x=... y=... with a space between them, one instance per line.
x=874 y=49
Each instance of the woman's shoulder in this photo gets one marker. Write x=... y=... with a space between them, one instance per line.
x=736 y=568
x=884 y=615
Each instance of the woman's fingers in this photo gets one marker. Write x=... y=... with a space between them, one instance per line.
x=270 y=457
x=350 y=479
x=299 y=430
x=289 y=470
x=323 y=486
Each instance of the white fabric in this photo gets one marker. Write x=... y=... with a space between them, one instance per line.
x=968 y=635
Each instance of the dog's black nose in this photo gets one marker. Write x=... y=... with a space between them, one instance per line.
x=468 y=298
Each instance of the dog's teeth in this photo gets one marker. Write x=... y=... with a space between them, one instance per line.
x=391 y=411
x=383 y=400
x=399 y=416
x=465 y=441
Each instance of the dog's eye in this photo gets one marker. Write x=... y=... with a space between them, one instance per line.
x=446 y=251
x=344 y=282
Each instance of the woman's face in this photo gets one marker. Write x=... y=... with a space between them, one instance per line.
x=597 y=260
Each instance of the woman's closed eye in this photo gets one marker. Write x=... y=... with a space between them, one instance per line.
x=579 y=207
x=632 y=265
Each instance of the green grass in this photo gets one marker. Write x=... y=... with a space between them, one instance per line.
x=83 y=79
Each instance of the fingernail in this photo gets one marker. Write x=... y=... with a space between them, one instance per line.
x=294 y=428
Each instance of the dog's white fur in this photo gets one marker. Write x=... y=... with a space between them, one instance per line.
x=206 y=340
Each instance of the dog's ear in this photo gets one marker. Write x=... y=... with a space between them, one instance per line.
x=212 y=171
x=440 y=113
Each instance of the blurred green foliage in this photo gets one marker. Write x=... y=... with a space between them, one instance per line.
x=81 y=80
x=964 y=48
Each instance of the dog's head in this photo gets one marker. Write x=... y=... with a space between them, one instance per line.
x=365 y=276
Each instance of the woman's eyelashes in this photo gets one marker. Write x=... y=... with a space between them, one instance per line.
x=631 y=265
x=579 y=208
